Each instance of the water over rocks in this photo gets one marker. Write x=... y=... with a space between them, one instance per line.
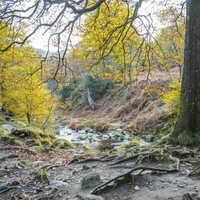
x=90 y=138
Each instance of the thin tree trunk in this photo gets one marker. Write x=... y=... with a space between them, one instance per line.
x=188 y=124
x=90 y=100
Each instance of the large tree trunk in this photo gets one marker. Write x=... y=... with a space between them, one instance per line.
x=187 y=129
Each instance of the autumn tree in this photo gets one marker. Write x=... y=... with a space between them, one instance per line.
x=8 y=59
x=169 y=40
x=99 y=40
x=22 y=89
x=25 y=94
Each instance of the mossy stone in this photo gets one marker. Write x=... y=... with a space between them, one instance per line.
x=91 y=180
x=61 y=144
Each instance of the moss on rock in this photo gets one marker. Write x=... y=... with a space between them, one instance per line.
x=11 y=140
x=28 y=133
x=61 y=144
x=32 y=136
x=133 y=143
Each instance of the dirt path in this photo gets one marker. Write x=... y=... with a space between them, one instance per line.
x=19 y=171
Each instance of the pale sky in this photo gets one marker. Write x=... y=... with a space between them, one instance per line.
x=40 y=41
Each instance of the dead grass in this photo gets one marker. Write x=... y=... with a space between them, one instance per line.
x=101 y=126
x=148 y=118
x=76 y=125
x=140 y=112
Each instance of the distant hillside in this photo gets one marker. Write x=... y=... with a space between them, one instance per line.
x=40 y=52
x=51 y=53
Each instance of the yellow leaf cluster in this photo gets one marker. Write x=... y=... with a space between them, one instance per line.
x=172 y=96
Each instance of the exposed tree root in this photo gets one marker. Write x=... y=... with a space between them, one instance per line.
x=7 y=188
x=8 y=156
x=139 y=157
x=109 y=158
x=98 y=189
x=190 y=160
x=187 y=197
x=123 y=166
x=88 y=160
x=193 y=171
x=128 y=175
x=48 y=166
x=130 y=158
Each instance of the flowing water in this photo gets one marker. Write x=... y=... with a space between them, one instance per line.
x=91 y=138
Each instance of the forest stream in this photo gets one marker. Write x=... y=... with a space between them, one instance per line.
x=91 y=138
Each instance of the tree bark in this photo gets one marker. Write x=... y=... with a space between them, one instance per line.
x=187 y=128
x=90 y=100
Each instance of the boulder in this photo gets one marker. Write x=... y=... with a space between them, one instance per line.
x=8 y=118
x=91 y=180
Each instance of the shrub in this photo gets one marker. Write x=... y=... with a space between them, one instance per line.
x=101 y=127
x=64 y=93
x=76 y=125
x=97 y=86
x=67 y=90
x=88 y=124
x=11 y=140
x=1 y=131
x=171 y=98
x=41 y=176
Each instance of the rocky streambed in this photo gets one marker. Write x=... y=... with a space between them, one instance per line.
x=89 y=137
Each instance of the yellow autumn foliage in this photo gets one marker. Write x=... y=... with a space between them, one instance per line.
x=22 y=90
x=107 y=45
x=172 y=96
